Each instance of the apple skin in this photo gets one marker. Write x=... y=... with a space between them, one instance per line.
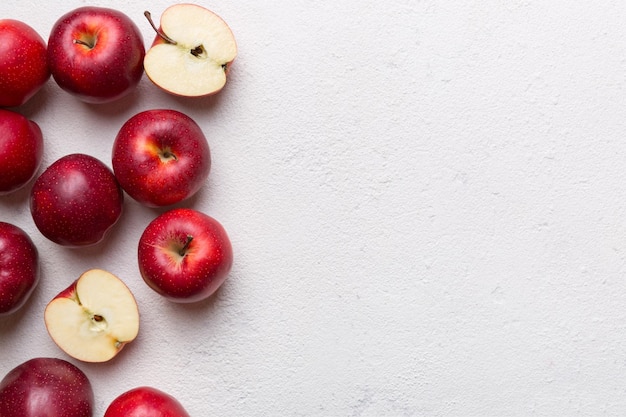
x=46 y=387
x=19 y=268
x=184 y=255
x=76 y=201
x=96 y=54
x=23 y=66
x=145 y=402
x=21 y=150
x=161 y=157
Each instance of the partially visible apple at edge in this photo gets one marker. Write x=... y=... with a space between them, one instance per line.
x=19 y=268
x=23 y=66
x=46 y=387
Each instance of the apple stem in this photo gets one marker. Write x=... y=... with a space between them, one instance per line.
x=159 y=32
x=183 y=250
x=169 y=155
x=87 y=44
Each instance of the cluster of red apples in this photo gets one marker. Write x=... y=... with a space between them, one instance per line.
x=159 y=158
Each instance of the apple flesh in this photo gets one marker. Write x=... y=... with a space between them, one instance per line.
x=145 y=402
x=184 y=255
x=96 y=54
x=76 y=201
x=161 y=157
x=19 y=268
x=42 y=387
x=192 y=51
x=21 y=150
x=23 y=67
x=94 y=318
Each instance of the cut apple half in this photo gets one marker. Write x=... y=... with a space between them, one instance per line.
x=94 y=318
x=192 y=51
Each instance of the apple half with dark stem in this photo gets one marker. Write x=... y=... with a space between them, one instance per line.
x=192 y=51
x=94 y=318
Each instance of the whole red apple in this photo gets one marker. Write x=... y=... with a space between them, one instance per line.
x=96 y=53
x=23 y=66
x=184 y=255
x=161 y=157
x=43 y=387
x=19 y=268
x=145 y=402
x=21 y=150
x=76 y=201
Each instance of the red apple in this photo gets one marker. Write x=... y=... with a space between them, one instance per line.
x=23 y=67
x=192 y=51
x=96 y=53
x=19 y=268
x=184 y=255
x=21 y=150
x=94 y=318
x=145 y=402
x=161 y=157
x=43 y=387
x=76 y=201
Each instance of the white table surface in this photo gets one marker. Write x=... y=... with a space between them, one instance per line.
x=426 y=201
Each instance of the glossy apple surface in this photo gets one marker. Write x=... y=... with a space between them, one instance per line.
x=76 y=201
x=46 y=387
x=96 y=54
x=161 y=157
x=23 y=66
x=192 y=51
x=145 y=402
x=19 y=268
x=184 y=255
x=21 y=150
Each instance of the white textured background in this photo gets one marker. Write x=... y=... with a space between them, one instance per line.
x=426 y=201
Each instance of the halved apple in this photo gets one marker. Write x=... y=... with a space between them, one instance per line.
x=94 y=318
x=192 y=51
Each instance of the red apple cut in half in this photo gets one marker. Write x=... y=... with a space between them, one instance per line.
x=192 y=51
x=94 y=318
